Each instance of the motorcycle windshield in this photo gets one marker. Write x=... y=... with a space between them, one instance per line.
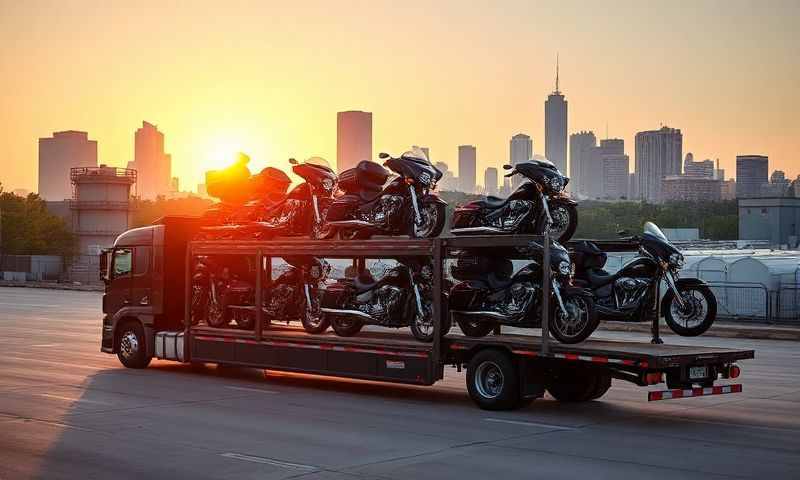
x=652 y=229
x=416 y=154
x=318 y=162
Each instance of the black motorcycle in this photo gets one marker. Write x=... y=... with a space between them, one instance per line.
x=404 y=206
x=490 y=294
x=532 y=206
x=400 y=298
x=689 y=305
x=217 y=291
x=304 y=209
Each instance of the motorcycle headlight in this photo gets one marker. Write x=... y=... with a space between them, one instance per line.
x=556 y=183
x=427 y=273
x=328 y=184
x=315 y=272
x=424 y=178
x=676 y=260
x=565 y=268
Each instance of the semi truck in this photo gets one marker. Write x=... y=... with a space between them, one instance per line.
x=147 y=313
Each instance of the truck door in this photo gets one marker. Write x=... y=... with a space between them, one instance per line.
x=142 y=275
x=118 y=293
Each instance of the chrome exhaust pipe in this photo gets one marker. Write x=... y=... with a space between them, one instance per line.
x=457 y=231
x=496 y=315
x=351 y=313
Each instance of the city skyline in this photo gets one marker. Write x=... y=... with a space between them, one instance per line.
x=274 y=94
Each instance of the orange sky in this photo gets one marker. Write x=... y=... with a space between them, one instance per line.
x=268 y=77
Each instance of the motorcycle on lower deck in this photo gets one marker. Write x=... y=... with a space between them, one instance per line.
x=689 y=306
x=406 y=205
x=490 y=294
x=526 y=210
x=400 y=298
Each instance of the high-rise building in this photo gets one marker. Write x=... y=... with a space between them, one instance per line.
x=505 y=190
x=727 y=189
x=555 y=129
x=658 y=154
x=614 y=166
x=698 y=169
x=490 y=181
x=719 y=173
x=581 y=148
x=57 y=155
x=778 y=185
x=520 y=149
x=467 y=164
x=751 y=173
x=448 y=182
x=353 y=138
x=153 y=166
x=633 y=186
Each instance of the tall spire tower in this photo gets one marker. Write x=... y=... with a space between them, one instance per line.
x=555 y=126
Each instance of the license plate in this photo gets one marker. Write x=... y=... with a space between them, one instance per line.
x=698 y=372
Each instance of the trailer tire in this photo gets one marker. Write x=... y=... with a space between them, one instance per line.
x=577 y=385
x=132 y=345
x=493 y=381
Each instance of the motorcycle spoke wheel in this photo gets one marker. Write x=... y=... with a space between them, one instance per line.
x=574 y=322
x=694 y=311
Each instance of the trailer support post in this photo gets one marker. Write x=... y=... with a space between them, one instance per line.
x=437 y=306
x=259 y=300
x=546 y=294
x=656 y=340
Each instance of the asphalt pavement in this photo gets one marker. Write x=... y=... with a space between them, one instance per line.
x=69 y=411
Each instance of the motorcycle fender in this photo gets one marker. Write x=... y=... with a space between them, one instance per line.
x=683 y=282
x=432 y=198
x=564 y=200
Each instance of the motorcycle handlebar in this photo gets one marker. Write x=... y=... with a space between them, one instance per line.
x=511 y=174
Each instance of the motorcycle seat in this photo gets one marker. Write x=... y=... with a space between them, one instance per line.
x=491 y=202
x=599 y=278
x=497 y=282
x=369 y=195
x=364 y=282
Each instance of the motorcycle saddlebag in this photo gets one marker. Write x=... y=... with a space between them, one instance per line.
x=348 y=180
x=336 y=295
x=587 y=255
x=342 y=207
x=478 y=268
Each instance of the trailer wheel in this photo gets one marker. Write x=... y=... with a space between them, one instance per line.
x=576 y=385
x=493 y=381
x=132 y=345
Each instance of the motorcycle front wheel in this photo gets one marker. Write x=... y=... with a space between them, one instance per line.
x=697 y=314
x=215 y=314
x=346 y=326
x=577 y=323
x=565 y=221
x=433 y=217
x=313 y=320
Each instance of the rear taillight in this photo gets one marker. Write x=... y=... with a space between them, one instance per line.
x=734 y=371
x=653 y=378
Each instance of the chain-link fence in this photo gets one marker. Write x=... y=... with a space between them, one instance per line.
x=787 y=302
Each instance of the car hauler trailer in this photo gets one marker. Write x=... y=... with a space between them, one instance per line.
x=147 y=307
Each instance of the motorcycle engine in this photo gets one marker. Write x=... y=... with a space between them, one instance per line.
x=279 y=300
x=513 y=214
x=628 y=291
x=290 y=210
x=379 y=304
x=387 y=207
x=515 y=302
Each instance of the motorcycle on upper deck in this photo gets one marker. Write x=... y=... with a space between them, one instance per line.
x=303 y=211
x=689 y=306
x=533 y=205
x=407 y=205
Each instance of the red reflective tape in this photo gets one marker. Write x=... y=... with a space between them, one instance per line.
x=642 y=364
x=599 y=359
x=653 y=396
x=570 y=356
x=527 y=353
x=716 y=390
x=326 y=347
x=458 y=347
x=736 y=388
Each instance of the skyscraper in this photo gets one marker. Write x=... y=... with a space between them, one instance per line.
x=353 y=138
x=555 y=128
x=614 y=166
x=751 y=173
x=658 y=154
x=520 y=149
x=59 y=153
x=581 y=149
x=490 y=181
x=448 y=182
x=153 y=166
x=467 y=164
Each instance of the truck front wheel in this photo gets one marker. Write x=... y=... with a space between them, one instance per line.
x=493 y=381
x=132 y=346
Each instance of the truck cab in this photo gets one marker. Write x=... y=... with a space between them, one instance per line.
x=143 y=268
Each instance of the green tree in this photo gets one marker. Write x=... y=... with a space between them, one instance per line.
x=29 y=229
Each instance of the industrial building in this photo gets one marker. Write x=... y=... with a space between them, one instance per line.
x=776 y=219
x=101 y=210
